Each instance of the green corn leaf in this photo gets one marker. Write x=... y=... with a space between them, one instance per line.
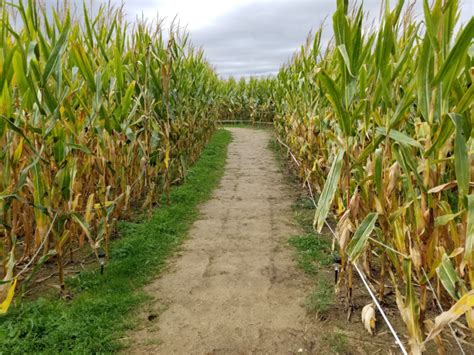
x=361 y=236
x=423 y=79
x=329 y=190
x=399 y=115
x=466 y=100
x=430 y=21
x=445 y=219
x=19 y=72
x=30 y=55
x=80 y=221
x=38 y=192
x=6 y=104
x=411 y=309
x=127 y=99
x=378 y=171
x=82 y=148
x=334 y=96
x=19 y=131
x=399 y=137
x=461 y=158
x=345 y=57
x=444 y=132
x=55 y=55
x=450 y=65
x=448 y=277
x=469 y=247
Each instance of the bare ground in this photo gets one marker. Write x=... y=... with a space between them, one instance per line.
x=234 y=288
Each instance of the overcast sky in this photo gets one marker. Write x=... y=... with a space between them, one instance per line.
x=252 y=37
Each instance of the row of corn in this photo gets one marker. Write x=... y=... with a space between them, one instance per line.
x=381 y=124
x=247 y=100
x=96 y=116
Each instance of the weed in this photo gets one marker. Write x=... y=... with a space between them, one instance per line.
x=313 y=252
x=321 y=299
x=337 y=342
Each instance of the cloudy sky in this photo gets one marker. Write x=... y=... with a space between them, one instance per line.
x=253 y=37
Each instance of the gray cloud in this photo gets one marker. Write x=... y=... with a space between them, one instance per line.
x=258 y=38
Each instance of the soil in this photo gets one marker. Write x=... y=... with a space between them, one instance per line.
x=234 y=287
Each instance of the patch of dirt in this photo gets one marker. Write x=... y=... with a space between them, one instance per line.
x=235 y=288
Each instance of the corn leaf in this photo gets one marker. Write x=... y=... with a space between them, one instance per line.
x=461 y=159
x=448 y=277
x=329 y=190
x=361 y=236
x=465 y=304
x=469 y=247
x=8 y=299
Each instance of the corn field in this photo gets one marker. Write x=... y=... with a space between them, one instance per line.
x=380 y=123
x=96 y=116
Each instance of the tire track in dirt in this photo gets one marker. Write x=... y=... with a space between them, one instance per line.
x=234 y=287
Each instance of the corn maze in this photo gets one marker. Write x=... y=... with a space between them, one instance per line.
x=99 y=117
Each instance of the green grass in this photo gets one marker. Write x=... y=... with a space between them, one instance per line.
x=95 y=319
x=313 y=252
x=337 y=342
x=321 y=299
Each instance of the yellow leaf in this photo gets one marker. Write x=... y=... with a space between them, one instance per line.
x=18 y=151
x=90 y=202
x=465 y=304
x=105 y=204
x=167 y=156
x=8 y=300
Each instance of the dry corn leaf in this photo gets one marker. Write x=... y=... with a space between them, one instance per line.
x=465 y=304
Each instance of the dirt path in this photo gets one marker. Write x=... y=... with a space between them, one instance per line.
x=234 y=288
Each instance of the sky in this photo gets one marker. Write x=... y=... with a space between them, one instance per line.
x=252 y=37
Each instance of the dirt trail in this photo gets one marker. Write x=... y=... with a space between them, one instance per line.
x=235 y=287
